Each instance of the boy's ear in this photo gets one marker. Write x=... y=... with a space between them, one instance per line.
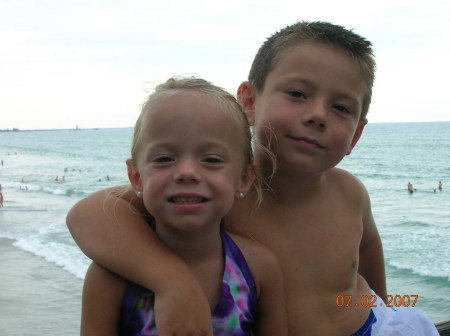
x=134 y=176
x=246 y=96
x=357 y=136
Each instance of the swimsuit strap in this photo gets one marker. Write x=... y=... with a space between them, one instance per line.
x=236 y=309
x=232 y=252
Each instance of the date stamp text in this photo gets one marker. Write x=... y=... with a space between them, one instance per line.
x=371 y=301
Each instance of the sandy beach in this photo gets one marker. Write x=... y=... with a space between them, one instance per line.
x=36 y=298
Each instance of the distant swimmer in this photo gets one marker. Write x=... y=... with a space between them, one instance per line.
x=1 y=200
x=410 y=188
x=440 y=185
x=57 y=178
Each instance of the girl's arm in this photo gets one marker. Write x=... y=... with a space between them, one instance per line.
x=102 y=297
x=109 y=230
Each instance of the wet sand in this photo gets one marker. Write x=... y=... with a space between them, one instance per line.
x=36 y=298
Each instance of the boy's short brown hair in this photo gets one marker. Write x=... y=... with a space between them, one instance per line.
x=359 y=48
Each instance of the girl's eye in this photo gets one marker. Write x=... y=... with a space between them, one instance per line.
x=163 y=159
x=296 y=94
x=212 y=160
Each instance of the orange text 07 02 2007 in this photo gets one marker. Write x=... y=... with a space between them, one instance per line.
x=371 y=301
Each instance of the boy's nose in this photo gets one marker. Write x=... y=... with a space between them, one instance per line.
x=316 y=116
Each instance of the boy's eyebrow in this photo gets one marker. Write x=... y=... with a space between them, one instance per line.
x=291 y=78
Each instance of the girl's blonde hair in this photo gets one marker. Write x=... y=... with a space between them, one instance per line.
x=227 y=102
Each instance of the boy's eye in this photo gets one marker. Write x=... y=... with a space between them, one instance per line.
x=296 y=94
x=341 y=108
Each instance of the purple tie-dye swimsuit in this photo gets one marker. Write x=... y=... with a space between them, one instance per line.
x=234 y=314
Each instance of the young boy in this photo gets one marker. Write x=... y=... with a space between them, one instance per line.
x=308 y=94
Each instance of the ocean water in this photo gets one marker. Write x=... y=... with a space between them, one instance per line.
x=415 y=228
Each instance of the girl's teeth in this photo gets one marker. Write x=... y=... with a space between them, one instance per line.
x=187 y=199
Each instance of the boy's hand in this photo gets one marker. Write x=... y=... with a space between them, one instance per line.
x=183 y=311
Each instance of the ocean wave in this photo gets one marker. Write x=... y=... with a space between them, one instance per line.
x=9 y=235
x=439 y=272
x=68 y=257
x=414 y=224
x=63 y=192
x=21 y=209
x=58 y=191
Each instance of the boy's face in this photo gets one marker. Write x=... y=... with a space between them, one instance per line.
x=311 y=103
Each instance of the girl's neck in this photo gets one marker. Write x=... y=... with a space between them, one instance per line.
x=202 y=252
x=192 y=246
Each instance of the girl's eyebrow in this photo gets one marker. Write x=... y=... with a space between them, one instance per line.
x=168 y=146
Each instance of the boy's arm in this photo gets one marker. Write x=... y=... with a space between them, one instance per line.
x=109 y=230
x=371 y=258
x=271 y=318
x=102 y=298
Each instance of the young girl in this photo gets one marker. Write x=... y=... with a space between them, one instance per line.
x=191 y=157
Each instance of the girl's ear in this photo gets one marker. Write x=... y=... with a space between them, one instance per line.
x=134 y=176
x=247 y=180
x=246 y=96
x=356 y=136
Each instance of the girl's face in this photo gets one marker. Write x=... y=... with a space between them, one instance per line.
x=190 y=164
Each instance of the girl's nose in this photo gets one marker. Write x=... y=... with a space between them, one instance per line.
x=187 y=172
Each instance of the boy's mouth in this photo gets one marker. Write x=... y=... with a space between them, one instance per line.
x=307 y=141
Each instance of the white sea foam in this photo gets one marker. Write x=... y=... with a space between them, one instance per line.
x=423 y=269
x=66 y=256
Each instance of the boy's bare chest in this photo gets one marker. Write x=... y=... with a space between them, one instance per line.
x=313 y=243
x=308 y=224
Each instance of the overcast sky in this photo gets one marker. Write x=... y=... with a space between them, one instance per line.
x=90 y=62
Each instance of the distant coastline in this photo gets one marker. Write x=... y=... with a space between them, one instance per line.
x=58 y=129
x=8 y=130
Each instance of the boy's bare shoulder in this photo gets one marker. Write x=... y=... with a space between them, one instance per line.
x=251 y=247
x=259 y=257
x=345 y=182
